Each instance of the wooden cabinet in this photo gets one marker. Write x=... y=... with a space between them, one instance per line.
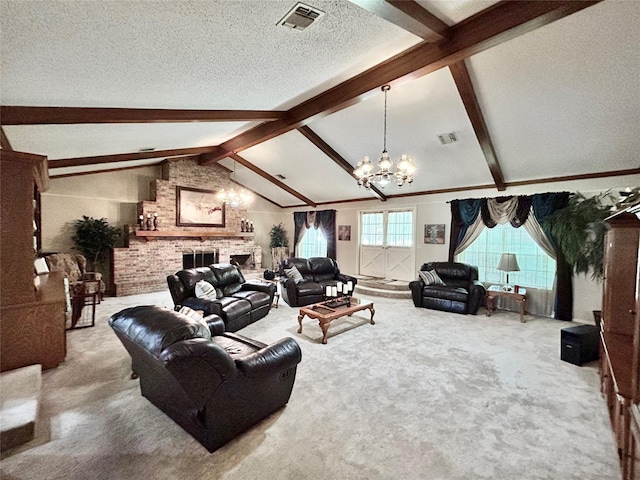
x=620 y=334
x=32 y=320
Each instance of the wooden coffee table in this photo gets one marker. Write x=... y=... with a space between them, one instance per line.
x=325 y=314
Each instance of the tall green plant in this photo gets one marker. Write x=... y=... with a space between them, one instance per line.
x=278 y=236
x=579 y=230
x=94 y=237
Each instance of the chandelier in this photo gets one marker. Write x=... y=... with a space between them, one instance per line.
x=232 y=197
x=385 y=174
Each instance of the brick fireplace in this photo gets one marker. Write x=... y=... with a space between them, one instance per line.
x=143 y=264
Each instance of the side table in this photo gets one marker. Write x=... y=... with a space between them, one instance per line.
x=494 y=292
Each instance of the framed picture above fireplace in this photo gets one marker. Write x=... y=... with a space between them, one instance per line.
x=196 y=207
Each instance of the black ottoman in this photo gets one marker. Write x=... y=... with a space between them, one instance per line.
x=579 y=344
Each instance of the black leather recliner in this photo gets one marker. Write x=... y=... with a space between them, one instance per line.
x=239 y=302
x=462 y=292
x=213 y=384
x=317 y=273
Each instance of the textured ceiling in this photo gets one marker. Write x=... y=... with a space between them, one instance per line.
x=561 y=100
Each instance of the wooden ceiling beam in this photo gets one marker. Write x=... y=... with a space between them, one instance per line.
x=127 y=157
x=408 y=15
x=497 y=24
x=4 y=141
x=17 y=115
x=245 y=163
x=468 y=95
x=314 y=138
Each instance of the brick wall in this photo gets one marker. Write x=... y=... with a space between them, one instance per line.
x=142 y=266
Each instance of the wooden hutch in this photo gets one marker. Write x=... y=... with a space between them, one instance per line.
x=620 y=334
x=32 y=309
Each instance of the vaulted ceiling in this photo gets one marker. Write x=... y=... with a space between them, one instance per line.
x=534 y=91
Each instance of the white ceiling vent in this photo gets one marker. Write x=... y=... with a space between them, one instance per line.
x=447 y=138
x=300 y=16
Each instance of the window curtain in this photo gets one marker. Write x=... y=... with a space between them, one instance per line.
x=325 y=220
x=466 y=225
x=543 y=205
x=470 y=216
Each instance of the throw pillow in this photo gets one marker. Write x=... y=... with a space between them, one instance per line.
x=430 y=277
x=294 y=274
x=194 y=315
x=205 y=290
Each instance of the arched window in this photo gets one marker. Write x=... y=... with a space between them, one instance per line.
x=313 y=244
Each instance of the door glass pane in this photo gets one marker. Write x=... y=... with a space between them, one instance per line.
x=372 y=229
x=400 y=229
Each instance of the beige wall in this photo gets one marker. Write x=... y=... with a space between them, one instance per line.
x=115 y=196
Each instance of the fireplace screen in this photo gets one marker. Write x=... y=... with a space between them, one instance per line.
x=199 y=258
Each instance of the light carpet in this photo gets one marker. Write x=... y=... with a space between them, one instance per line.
x=419 y=395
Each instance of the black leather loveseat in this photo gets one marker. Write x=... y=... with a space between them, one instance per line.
x=236 y=301
x=461 y=292
x=316 y=274
x=213 y=384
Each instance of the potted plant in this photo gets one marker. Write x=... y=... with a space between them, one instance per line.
x=93 y=238
x=579 y=230
x=279 y=244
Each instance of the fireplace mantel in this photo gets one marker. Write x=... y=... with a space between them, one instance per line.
x=201 y=234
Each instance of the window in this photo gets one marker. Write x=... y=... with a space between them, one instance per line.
x=537 y=269
x=398 y=232
x=313 y=244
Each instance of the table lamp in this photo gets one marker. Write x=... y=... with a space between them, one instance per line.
x=508 y=263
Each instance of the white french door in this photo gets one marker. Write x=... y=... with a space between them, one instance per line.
x=387 y=247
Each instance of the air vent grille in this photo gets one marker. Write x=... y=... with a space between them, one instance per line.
x=300 y=16
x=447 y=138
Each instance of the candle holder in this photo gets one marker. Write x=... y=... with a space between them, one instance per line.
x=141 y=222
x=148 y=221
x=242 y=225
x=155 y=222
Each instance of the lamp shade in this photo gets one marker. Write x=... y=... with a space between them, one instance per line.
x=508 y=263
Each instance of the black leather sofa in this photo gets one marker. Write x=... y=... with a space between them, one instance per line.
x=462 y=292
x=317 y=273
x=239 y=302
x=214 y=384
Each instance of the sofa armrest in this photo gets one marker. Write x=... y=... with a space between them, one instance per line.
x=416 y=286
x=477 y=293
x=279 y=356
x=341 y=277
x=200 y=366
x=209 y=307
x=216 y=324
x=259 y=286
x=289 y=284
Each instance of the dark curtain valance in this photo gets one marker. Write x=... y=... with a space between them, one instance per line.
x=325 y=220
x=464 y=214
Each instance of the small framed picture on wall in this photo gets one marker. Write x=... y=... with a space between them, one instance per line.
x=434 y=233
x=344 y=232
